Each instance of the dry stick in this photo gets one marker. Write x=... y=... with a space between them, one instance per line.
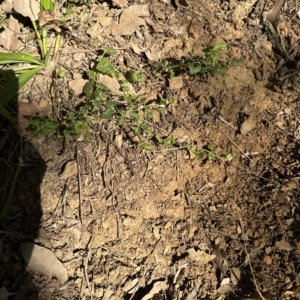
x=79 y=184
x=91 y=50
x=235 y=145
x=86 y=265
x=227 y=123
x=248 y=256
x=64 y=200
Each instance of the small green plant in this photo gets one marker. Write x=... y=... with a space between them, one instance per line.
x=41 y=126
x=199 y=153
x=209 y=64
x=129 y=111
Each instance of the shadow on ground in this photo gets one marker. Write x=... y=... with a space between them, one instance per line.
x=21 y=172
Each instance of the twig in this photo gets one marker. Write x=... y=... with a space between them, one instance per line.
x=86 y=265
x=64 y=200
x=236 y=146
x=248 y=256
x=79 y=184
x=227 y=123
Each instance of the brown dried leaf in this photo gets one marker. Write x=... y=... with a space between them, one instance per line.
x=221 y=259
x=157 y=288
x=47 y=16
x=131 y=19
x=44 y=261
x=113 y=84
x=9 y=37
x=27 y=8
x=200 y=256
x=103 y=20
x=7 y=6
x=119 y=3
x=129 y=286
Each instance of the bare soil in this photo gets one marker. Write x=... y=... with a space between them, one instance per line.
x=164 y=224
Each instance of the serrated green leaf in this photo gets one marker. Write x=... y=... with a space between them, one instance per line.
x=110 y=104
x=134 y=76
x=18 y=57
x=106 y=67
x=194 y=68
x=106 y=114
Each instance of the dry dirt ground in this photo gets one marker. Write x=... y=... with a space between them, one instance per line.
x=130 y=224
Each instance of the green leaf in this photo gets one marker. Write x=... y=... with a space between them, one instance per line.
x=60 y=73
x=107 y=114
x=171 y=100
x=125 y=88
x=47 y=4
x=211 y=147
x=194 y=68
x=41 y=126
x=136 y=130
x=4 y=112
x=92 y=75
x=18 y=57
x=145 y=146
x=67 y=133
x=106 y=67
x=211 y=156
x=134 y=76
x=110 y=104
x=88 y=89
x=134 y=115
x=109 y=51
x=229 y=157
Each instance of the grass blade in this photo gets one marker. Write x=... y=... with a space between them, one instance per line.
x=10 y=58
x=4 y=112
x=5 y=210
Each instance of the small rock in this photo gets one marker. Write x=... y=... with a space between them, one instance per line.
x=70 y=170
x=248 y=125
x=176 y=83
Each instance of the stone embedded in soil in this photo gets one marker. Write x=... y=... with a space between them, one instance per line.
x=70 y=170
x=248 y=125
x=176 y=83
